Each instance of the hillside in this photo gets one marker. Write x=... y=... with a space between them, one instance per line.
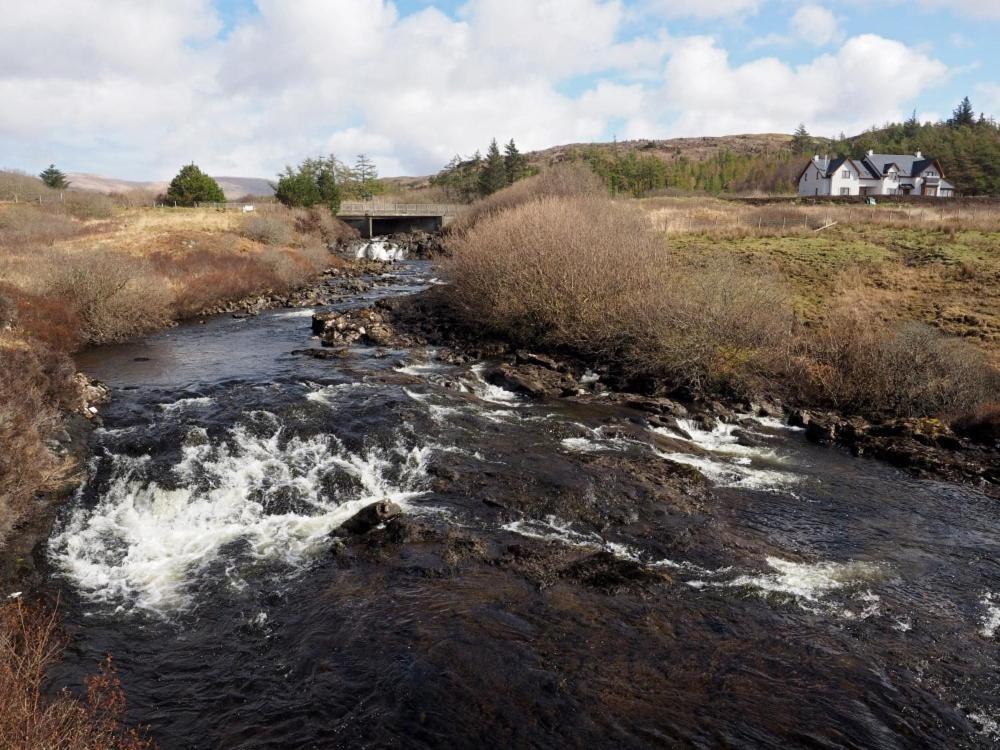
x=233 y=187
x=672 y=149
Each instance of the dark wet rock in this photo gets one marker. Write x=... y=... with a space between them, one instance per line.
x=749 y=439
x=420 y=244
x=799 y=418
x=323 y=353
x=530 y=380
x=369 y=517
x=540 y=360
x=612 y=574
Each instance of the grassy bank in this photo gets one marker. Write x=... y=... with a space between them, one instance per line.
x=69 y=279
x=702 y=296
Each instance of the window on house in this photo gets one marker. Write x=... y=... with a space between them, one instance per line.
x=846 y=174
x=845 y=191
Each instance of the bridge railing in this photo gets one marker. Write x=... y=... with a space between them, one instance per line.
x=379 y=208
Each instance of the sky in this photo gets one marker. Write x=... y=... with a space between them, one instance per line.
x=135 y=89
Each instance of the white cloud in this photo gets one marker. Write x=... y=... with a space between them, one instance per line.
x=137 y=89
x=703 y=9
x=869 y=79
x=816 y=25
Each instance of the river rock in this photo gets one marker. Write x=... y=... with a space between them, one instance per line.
x=530 y=380
x=368 y=518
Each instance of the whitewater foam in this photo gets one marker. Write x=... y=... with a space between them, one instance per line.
x=991 y=620
x=275 y=498
x=379 y=248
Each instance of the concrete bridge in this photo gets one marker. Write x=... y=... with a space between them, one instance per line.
x=374 y=218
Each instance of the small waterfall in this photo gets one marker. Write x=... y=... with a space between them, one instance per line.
x=380 y=248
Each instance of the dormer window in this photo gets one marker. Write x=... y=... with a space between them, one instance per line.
x=930 y=173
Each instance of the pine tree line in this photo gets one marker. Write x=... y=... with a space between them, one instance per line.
x=476 y=176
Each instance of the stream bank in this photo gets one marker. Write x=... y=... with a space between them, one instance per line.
x=602 y=569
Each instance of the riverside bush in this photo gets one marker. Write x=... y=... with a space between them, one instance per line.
x=269 y=230
x=589 y=276
x=563 y=180
x=856 y=362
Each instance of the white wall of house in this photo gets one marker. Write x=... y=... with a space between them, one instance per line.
x=813 y=182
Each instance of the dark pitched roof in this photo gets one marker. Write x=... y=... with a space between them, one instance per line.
x=907 y=164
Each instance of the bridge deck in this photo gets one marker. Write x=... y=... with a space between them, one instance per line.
x=377 y=209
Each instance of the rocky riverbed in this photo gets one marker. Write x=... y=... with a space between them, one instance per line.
x=350 y=526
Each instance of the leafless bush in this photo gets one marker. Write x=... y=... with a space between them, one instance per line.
x=982 y=424
x=88 y=205
x=857 y=363
x=563 y=180
x=34 y=225
x=588 y=275
x=14 y=184
x=34 y=383
x=272 y=229
x=320 y=223
x=30 y=643
x=115 y=295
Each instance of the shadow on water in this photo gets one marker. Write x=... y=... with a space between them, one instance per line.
x=554 y=581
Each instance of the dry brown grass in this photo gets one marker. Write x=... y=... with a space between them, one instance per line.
x=589 y=275
x=272 y=229
x=30 y=719
x=720 y=218
x=571 y=179
x=35 y=383
x=858 y=363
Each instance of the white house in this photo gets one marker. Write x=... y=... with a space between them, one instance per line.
x=875 y=174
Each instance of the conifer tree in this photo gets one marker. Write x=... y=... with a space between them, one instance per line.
x=191 y=186
x=494 y=172
x=963 y=114
x=366 y=175
x=515 y=163
x=802 y=142
x=54 y=178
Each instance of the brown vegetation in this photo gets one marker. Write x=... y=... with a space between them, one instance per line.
x=30 y=719
x=592 y=277
x=563 y=180
x=66 y=282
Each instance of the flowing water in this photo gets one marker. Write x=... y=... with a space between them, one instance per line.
x=562 y=576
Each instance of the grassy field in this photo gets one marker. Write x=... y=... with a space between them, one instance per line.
x=936 y=266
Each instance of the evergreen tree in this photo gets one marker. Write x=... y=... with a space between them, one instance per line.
x=366 y=175
x=494 y=173
x=314 y=182
x=963 y=114
x=54 y=178
x=802 y=142
x=515 y=163
x=191 y=186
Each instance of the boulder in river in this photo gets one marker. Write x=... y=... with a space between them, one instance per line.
x=368 y=518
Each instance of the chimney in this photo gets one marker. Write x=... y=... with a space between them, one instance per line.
x=919 y=155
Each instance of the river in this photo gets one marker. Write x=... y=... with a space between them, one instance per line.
x=562 y=576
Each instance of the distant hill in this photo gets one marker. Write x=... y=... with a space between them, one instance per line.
x=233 y=187
x=673 y=149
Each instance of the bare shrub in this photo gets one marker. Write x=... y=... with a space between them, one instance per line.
x=272 y=229
x=320 y=223
x=116 y=296
x=589 y=275
x=14 y=184
x=856 y=362
x=30 y=643
x=26 y=224
x=88 y=205
x=41 y=317
x=562 y=180
x=35 y=383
